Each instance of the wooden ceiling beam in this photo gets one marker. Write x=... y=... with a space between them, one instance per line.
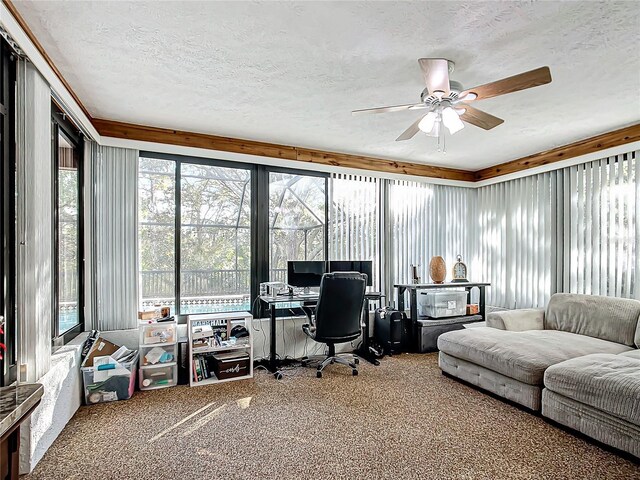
x=108 y=128
x=621 y=136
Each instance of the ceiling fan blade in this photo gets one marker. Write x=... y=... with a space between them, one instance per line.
x=411 y=131
x=436 y=74
x=478 y=117
x=392 y=108
x=533 y=78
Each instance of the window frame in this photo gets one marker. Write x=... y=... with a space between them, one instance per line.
x=60 y=124
x=259 y=214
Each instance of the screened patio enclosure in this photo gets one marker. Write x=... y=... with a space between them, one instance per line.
x=297 y=220
x=211 y=208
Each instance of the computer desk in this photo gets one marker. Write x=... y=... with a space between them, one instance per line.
x=277 y=304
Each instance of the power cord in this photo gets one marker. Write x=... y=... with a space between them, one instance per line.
x=284 y=340
x=264 y=336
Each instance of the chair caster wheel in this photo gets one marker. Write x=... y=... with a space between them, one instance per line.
x=319 y=374
x=354 y=372
x=278 y=375
x=356 y=361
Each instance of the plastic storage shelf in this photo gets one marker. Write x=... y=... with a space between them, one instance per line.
x=158 y=355
x=158 y=376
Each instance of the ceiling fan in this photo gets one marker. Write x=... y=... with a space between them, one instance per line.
x=446 y=101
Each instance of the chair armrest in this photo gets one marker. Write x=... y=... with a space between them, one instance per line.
x=517 y=320
x=310 y=312
x=309 y=330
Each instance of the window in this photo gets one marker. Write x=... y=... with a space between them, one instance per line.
x=215 y=238
x=8 y=215
x=218 y=225
x=68 y=317
x=157 y=239
x=297 y=220
x=195 y=219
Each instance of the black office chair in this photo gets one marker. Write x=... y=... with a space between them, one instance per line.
x=337 y=315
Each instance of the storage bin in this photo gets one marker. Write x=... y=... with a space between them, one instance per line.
x=159 y=376
x=442 y=303
x=231 y=365
x=115 y=387
x=156 y=354
x=158 y=333
x=428 y=331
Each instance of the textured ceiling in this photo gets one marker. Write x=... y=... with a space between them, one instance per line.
x=291 y=72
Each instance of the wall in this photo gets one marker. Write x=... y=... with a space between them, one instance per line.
x=60 y=401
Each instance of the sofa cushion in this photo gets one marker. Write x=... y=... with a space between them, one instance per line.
x=523 y=356
x=517 y=320
x=610 y=383
x=632 y=354
x=608 y=318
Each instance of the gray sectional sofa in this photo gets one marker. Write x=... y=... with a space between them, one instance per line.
x=577 y=361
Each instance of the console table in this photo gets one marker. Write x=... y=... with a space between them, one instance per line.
x=16 y=405
x=426 y=332
x=413 y=288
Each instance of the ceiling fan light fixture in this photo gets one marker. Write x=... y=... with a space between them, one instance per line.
x=451 y=120
x=435 y=130
x=427 y=123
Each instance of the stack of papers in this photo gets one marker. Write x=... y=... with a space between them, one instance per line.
x=157 y=354
x=111 y=365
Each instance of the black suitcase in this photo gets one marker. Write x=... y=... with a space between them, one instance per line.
x=392 y=331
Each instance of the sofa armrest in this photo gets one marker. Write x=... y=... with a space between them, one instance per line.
x=517 y=320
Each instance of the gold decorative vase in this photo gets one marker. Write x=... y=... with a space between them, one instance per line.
x=437 y=269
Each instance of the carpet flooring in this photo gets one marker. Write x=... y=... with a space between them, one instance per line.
x=403 y=419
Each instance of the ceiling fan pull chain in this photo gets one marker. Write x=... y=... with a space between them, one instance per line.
x=442 y=147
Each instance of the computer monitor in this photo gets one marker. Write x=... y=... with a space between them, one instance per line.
x=362 y=266
x=305 y=274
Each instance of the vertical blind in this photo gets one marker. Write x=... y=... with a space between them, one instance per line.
x=518 y=240
x=115 y=259
x=354 y=220
x=35 y=222
x=603 y=227
x=425 y=220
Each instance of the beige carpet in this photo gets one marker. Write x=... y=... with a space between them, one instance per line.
x=402 y=419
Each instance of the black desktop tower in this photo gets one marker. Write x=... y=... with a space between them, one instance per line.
x=392 y=330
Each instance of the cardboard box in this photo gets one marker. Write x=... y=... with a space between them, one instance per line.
x=100 y=348
x=147 y=315
x=473 y=309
